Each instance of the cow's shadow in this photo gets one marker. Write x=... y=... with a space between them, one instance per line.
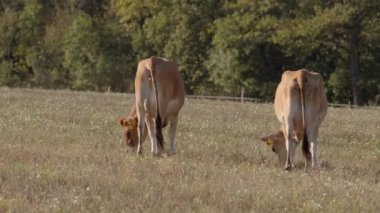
x=324 y=165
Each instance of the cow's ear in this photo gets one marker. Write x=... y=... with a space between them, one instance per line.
x=123 y=121
x=268 y=140
x=265 y=139
x=132 y=121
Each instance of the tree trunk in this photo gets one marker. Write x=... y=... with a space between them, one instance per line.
x=355 y=63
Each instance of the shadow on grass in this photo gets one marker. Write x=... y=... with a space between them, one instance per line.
x=324 y=165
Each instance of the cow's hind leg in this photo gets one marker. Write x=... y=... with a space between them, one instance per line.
x=290 y=146
x=307 y=157
x=151 y=125
x=313 y=151
x=290 y=151
x=140 y=130
x=171 y=134
x=306 y=151
x=312 y=134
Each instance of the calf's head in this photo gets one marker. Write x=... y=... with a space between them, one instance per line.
x=129 y=126
x=277 y=143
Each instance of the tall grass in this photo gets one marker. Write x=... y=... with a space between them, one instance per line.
x=61 y=151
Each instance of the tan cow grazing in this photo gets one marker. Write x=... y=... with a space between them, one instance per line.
x=300 y=105
x=159 y=96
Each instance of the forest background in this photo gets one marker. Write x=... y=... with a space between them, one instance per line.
x=222 y=47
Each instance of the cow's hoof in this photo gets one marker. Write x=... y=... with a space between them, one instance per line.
x=171 y=153
x=156 y=155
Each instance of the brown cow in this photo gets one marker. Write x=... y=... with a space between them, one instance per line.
x=300 y=105
x=159 y=96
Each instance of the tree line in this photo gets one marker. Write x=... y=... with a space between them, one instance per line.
x=222 y=47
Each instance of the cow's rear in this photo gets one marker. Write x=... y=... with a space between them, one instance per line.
x=300 y=106
x=159 y=96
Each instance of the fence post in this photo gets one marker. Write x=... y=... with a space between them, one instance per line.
x=242 y=95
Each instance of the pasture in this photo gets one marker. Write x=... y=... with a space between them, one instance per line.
x=61 y=151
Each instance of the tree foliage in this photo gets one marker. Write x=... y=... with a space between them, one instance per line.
x=221 y=47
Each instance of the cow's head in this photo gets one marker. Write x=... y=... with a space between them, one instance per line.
x=129 y=125
x=277 y=143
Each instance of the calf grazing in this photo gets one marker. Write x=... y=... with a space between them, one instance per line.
x=300 y=106
x=159 y=96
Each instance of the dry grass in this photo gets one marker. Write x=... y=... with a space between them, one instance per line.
x=60 y=151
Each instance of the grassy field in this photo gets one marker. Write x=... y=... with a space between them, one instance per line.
x=61 y=151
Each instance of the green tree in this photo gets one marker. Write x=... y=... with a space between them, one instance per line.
x=186 y=29
x=118 y=56
x=50 y=71
x=8 y=22
x=221 y=47
x=333 y=33
x=21 y=43
x=96 y=55
x=133 y=15
x=81 y=54
x=242 y=56
x=178 y=30
x=338 y=86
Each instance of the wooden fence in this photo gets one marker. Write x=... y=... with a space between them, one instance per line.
x=258 y=100
x=254 y=100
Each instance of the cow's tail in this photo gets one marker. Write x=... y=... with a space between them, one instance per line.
x=160 y=138
x=305 y=143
